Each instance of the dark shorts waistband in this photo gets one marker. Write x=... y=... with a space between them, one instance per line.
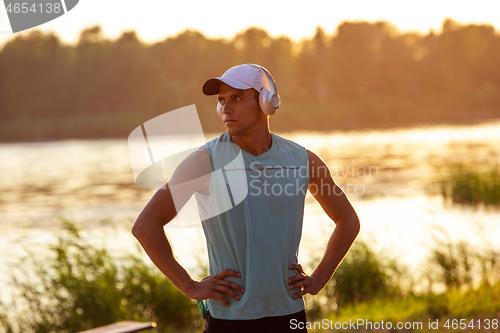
x=280 y=324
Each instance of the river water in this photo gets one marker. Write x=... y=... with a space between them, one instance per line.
x=386 y=174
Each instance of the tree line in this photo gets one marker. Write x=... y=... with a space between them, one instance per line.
x=363 y=75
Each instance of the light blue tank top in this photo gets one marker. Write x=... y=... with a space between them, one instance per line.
x=252 y=221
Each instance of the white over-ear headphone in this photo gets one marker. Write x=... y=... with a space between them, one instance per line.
x=269 y=100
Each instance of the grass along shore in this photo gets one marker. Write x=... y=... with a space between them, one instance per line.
x=470 y=184
x=81 y=286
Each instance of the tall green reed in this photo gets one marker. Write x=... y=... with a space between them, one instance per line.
x=468 y=183
x=383 y=288
x=82 y=286
x=470 y=280
x=363 y=276
x=459 y=265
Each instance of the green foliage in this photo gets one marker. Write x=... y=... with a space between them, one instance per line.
x=459 y=265
x=394 y=309
x=454 y=263
x=470 y=282
x=471 y=184
x=482 y=301
x=361 y=75
x=82 y=286
x=363 y=276
x=474 y=303
x=369 y=286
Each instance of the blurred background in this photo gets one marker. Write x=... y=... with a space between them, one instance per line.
x=401 y=99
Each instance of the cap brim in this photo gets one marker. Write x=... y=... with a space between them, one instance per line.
x=211 y=87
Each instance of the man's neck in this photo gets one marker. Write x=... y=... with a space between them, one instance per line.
x=256 y=143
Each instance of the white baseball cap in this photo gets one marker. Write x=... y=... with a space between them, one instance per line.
x=239 y=77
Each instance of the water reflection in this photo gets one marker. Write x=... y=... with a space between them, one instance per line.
x=79 y=174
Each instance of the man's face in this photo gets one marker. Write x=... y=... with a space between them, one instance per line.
x=241 y=112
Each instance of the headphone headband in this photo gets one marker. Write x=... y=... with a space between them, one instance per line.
x=269 y=101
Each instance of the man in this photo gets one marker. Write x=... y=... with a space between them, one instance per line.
x=255 y=282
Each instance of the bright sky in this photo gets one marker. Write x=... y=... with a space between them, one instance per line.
x=154 y=20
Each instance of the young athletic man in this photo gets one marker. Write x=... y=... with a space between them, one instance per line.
x=250 y=186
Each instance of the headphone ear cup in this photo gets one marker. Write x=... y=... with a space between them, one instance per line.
x=262 y=101
x=266 y=102
x=269 y=100
x=219 y=109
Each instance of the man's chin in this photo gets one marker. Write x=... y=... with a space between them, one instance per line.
x=231 y=130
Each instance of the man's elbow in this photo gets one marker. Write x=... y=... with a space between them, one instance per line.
x=356 y=225
x=146 y=226
x=351 y=222
x=139 y=229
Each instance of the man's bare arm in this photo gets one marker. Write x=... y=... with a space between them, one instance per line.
x=193 y=174
x=336 y=205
